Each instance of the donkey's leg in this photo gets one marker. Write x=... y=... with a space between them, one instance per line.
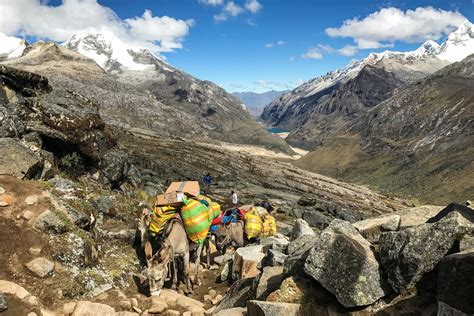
x=208 y=252
x=175 y=274
x=187 y=277
x=198 y=263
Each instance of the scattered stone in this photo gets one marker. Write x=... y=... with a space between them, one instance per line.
x=40 y=266
x=275 y=243
x=274 y=258
x=99 y=290
x=68 y=308
x=371 y=228
x=316 y=219
x=272 y=308
x=225 y=273
x=210 y=311
x=19 y=161
x=2 y=190
x=32 y=314
x=301 y=228
x=406 y=255
x=268 y=281
x=27 y=215
x=32 y=300
x=170 y=296
x=158 y=305
x=220 y=260
x=292 y=290
x=86 y=308
x=125 y=305
x=31 y=200
x=8 y=287
x=136 y=309
x=246 y=261
x=126 y=313
x=237 y=295
x=217 y=299
x=236 y=311
x=3 y=302
x=417 y=215
x=49 y=221
x=6 y=200
x=456 y=281
x=212 y=293
x=307 y=201
x=342 y=262
x=171 y=312
x=134 y=302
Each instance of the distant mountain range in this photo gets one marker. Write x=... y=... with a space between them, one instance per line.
x=256 y=102
x=395 y=120
x=137 y=90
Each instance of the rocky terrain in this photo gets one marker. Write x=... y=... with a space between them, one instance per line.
x=153 y=98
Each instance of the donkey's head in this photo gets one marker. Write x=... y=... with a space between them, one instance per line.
x=158 y=269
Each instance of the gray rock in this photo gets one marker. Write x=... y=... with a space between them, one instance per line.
x=85 y=308
x=237 y=311
x=301 y=228
x=49 y=221
x=371 y=228
x=446 y=310
x=316 y=219
x=307 y=201
x=298 y=251
x=19 y=161
x=247 y=261
x=237 y=295
x=40 y=266
x=297 y=212
x=456 y=281
x=114 y=168
x=77 y=217
x=220 y=260
x=62 y=185
x=408 y=254
x=225 y=273
x=274 y=258
x=99 y=290
x=466 y=243
x=343 y=262
x=275 y=243
x=268 y=281
x=104 y=204
x=3 y=302
x=261 y=308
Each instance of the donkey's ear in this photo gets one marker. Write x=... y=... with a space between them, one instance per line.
x=164 y=253
x=148 y=251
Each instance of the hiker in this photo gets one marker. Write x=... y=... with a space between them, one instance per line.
x=234 y=198
x=207 y=183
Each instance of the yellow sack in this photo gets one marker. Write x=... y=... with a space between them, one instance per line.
x=252 y=224
x=269 y=226
x=160 y=216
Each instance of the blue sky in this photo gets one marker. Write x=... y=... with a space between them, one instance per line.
x=278 y=44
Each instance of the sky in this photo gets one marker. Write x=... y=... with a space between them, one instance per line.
x=246 y=45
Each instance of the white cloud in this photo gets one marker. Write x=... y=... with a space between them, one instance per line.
x=348 y=50
x=211 y=2
x=38 y=19
x=276 y=85
x=312 y=53
x=230 y=9
x=273 y=44
x=253 y=6
x=326 y=48
x=384 y=27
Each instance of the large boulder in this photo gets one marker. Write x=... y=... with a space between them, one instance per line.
x=278 y=243
x=316 y=219
x=301 y=228
x=408 y=254
x=298 y=251
x=274 y=258
x=261 y=308
x=18 y=160
x=456 y=282
x=371 y=228
x=342 y=261
x=237 y=295
x=268 y=281
x=415 y=216
x=247 y=261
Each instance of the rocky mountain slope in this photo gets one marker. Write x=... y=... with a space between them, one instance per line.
x=304 y=104
x=154 y=98
x=256 y=102
x=419 y=140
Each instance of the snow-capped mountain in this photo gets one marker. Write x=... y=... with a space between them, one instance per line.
x=11 y=47
x=426 y=59
x=111 y=53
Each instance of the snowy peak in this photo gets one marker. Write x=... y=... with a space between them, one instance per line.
x=110 y=52
x=11 y=47
x=459 y=44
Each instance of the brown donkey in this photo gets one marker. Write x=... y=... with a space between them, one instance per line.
x=173 y=247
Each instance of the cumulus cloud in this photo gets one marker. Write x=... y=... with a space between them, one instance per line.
x=273 y=44
x=211 y=2
x=232 y=9
x=57 y=23
x=326 y=48
x=253 y=6
x=383 y=28
x=348 y=50
x=312 y=53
